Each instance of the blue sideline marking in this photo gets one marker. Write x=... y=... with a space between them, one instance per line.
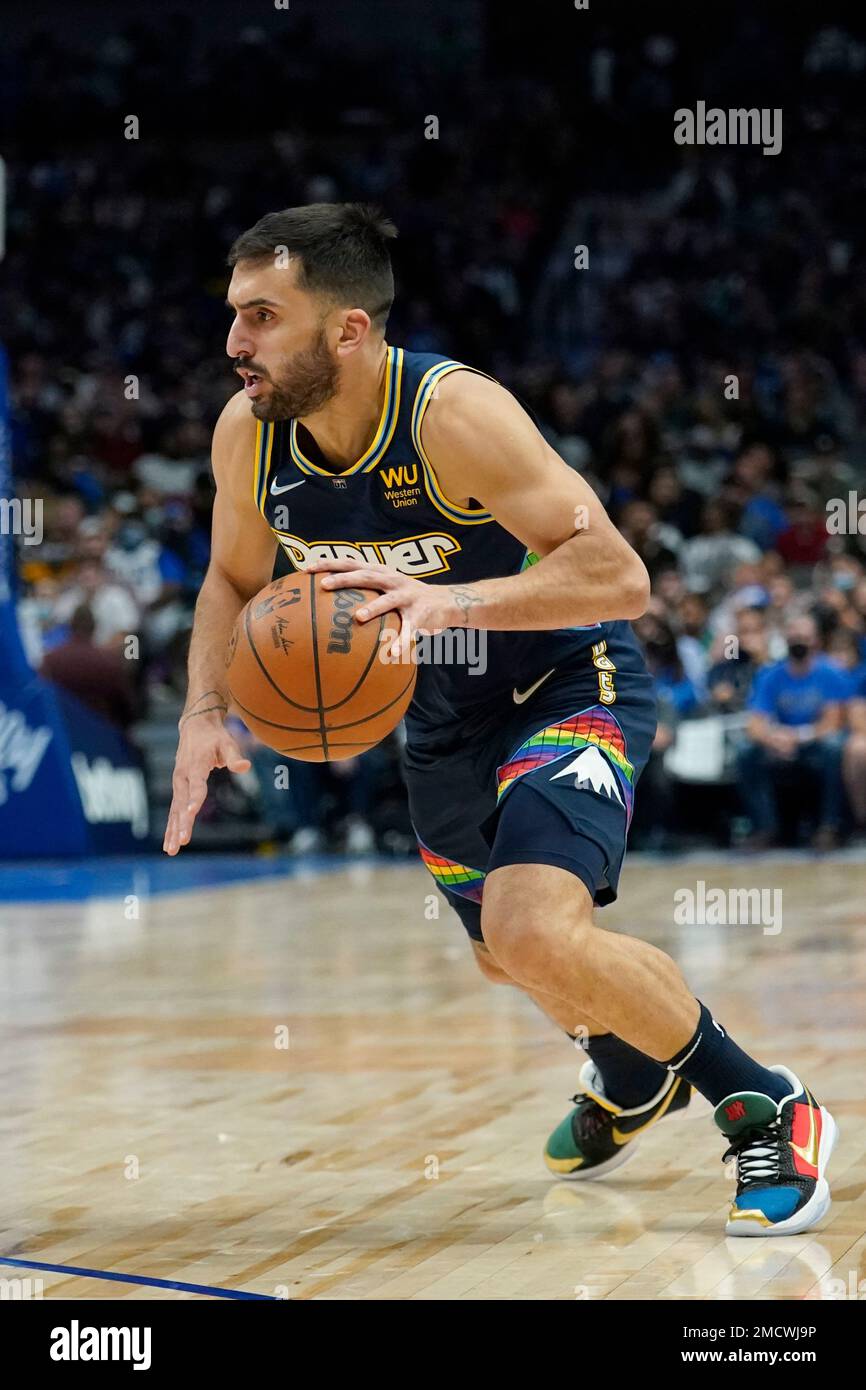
x=58 y=880
x=140 y=1279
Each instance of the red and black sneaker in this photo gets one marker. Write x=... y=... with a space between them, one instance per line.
x=781 y=1150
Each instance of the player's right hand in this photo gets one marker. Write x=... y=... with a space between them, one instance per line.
x=203 y=745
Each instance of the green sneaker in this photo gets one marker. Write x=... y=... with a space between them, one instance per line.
x=598 y=1136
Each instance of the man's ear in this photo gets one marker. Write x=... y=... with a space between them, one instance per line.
x=354 y=331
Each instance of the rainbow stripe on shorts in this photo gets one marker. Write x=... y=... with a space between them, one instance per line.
x=595 y=726
x=457 y=878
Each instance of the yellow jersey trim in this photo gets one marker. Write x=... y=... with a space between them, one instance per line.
x=464 y=516
x=264 y=451
x=384 y=431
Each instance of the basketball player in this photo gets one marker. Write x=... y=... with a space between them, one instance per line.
x=347 y=452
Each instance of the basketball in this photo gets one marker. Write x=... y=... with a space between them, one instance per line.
x=307 y=679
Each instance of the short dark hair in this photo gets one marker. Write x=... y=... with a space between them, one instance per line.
x=342 y=247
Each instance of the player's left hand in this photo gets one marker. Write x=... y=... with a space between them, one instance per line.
x=424 y=609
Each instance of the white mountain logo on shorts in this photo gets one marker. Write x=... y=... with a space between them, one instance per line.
x=591 y=769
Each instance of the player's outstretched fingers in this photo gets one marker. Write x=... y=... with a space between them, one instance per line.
x=180 y=795
x=230 y=756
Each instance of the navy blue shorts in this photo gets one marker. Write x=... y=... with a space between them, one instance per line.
x=546 y=780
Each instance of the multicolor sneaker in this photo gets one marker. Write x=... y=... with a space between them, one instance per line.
x=781 y=1151
x=598 y=1136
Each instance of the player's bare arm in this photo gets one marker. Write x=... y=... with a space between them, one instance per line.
x=242 y=562
x=481 y=444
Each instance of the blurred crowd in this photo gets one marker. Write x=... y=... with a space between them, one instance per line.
x=718 y=404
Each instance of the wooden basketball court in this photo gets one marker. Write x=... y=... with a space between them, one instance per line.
x=301 y=1087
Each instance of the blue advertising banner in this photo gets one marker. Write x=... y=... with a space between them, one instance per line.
x=70 y=783
x=109 y=779
x=40 y=809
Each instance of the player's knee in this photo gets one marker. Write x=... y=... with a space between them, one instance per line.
x=492 y=972
x=524 y=912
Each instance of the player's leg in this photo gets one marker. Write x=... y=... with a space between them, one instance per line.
x=557 y=1010
x=537 y=920
x=450 y=797
x=625 y=1076
x=622 y=1091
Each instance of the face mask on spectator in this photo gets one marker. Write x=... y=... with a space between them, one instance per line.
x=798 y=650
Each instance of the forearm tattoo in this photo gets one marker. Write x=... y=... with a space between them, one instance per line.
x=465 y=599
x=208 y=709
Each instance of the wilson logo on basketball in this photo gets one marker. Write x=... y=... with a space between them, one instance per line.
x=342 y=619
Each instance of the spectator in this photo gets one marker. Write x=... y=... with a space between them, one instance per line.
x=676 y=506
x=665 y=666
x=694 y=640
x=656 y=544
x=730 y=679
x=762 y=519
x=804 y=540
x=795 y=738
x=710 y=558
x=115 y=612
x=844 y=651
x=153 y=573
x=97 y=676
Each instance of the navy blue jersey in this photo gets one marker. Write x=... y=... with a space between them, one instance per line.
x=389 y=507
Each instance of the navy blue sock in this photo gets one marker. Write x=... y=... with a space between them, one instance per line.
x=716 y=1067
x=629 y=1076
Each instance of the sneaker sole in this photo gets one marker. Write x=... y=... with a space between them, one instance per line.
x=818 y=1204
x=598 y=1170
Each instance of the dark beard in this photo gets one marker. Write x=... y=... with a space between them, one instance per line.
x=306 y=383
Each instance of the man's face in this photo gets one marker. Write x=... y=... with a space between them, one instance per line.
x=801 y=633
x=692 y=616
x=750 y=630
x=278 y=342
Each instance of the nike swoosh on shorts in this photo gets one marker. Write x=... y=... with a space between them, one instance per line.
x=521 y=695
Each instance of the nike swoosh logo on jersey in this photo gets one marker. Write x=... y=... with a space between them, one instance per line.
x=275 y=491
x=520 y=696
